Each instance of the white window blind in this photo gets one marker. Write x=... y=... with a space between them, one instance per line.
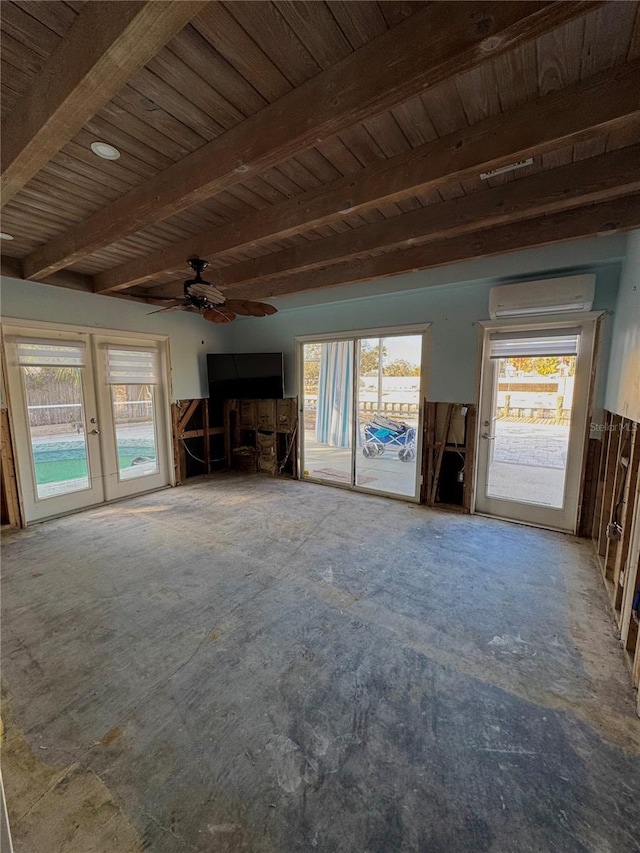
x=531 y=343
x=132 y=366
x=32 y=352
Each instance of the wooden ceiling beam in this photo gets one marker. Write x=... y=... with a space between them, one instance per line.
x=105 y=46
x=602 y=178
x=12 y=268
x=436 y=44
x=561 y=118
x=595 y=220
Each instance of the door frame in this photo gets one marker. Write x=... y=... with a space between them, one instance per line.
x=589 y=323
x=355 y=335
x=115 y=488
x=93 y=493
x=18 y=325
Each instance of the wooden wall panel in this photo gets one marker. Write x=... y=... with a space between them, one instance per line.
x=617 y=499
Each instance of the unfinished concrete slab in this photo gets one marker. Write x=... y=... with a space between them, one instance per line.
x=252 y=664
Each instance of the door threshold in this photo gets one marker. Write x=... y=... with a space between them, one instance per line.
x=361 y=490
x=526 y=523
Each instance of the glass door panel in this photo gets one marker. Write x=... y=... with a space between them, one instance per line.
x=327 y=449
x=57 y=429
x=135 y=430
x=362 y=413
x=53 y=406
x=132 y=407
x=531 y=419
x=533 y=413
x=388 y=406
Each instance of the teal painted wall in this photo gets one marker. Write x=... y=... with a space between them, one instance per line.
x=453 y=299
x=443 y=298
x=623 y=382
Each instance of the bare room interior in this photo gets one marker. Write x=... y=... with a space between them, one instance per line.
x=320 y=393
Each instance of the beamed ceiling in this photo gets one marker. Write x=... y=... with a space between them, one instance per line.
x=301 y=145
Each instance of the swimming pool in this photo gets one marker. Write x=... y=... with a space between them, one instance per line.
x=59 y=461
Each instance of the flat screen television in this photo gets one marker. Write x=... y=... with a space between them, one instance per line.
x=245 y=375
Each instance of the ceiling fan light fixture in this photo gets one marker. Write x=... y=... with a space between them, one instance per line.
x=105 y=151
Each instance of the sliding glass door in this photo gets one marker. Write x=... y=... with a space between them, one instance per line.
x=388 y=407
x=362 y=412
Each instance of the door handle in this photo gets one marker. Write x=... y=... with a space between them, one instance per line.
x=488 y=437
x=95 y=432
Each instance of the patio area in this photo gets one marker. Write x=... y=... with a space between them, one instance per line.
x=528 y=464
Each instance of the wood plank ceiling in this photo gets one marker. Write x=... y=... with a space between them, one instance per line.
x=274 y=139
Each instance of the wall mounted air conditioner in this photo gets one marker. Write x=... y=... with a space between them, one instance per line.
x=549 y=296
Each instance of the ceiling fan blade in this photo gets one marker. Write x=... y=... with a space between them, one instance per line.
x=218 y=315
x=180 y=307
x=249 y=308
x=238 y=306
x=267 y=309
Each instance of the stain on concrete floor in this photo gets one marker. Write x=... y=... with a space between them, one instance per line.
x=248 y=664
x=56 y=807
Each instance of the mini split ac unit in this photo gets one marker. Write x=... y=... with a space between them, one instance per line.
x=549 y=296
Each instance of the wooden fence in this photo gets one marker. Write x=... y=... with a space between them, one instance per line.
x=59 y=402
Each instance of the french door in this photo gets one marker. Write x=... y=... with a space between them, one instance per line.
x=361 y=410
x=534 y=406
x=90 y=418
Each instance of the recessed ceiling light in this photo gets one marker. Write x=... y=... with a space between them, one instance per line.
x=4 y=236
x=107 y=152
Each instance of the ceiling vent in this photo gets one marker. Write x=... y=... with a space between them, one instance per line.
x=502 y=170
x=550 y=296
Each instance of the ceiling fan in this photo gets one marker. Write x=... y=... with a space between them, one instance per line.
x=208 y=300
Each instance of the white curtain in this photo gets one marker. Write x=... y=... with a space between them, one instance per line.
x=335 y=394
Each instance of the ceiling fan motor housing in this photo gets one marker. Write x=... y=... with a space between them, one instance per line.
x=194 y=298
x=198 y=292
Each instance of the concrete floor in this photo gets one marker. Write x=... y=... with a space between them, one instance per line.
x=252 y=664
